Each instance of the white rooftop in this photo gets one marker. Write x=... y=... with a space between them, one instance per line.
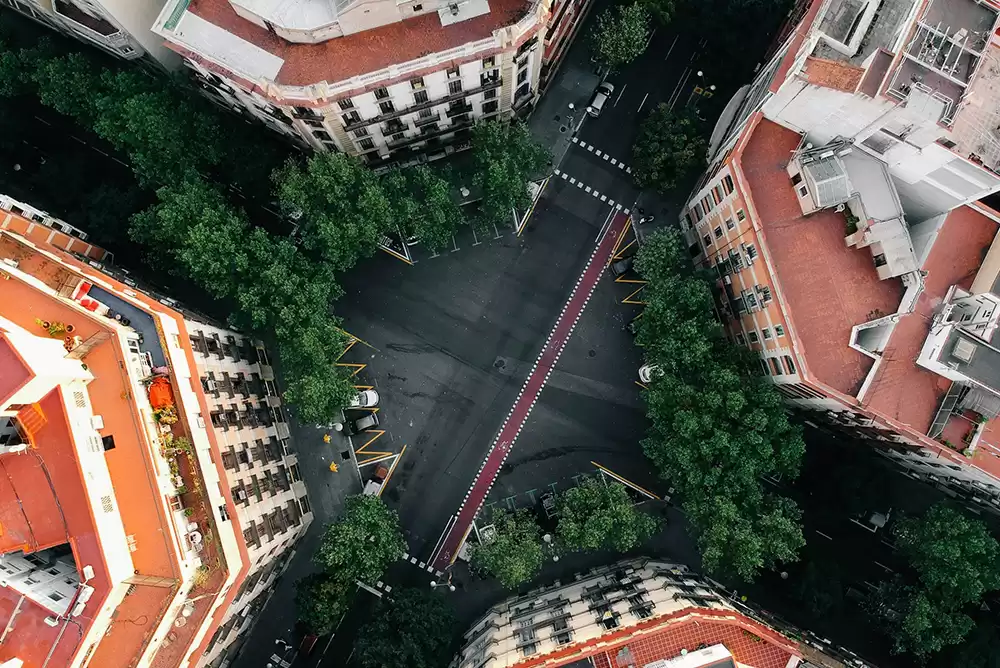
x=295 y=14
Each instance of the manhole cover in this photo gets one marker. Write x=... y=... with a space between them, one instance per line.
x=499 y=363
x=562 y=128
x=591 y=353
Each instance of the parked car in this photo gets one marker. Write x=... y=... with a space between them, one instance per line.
x=646 y=372
x=596 y=106
x=365 y=423
x=365 y=399
x=621 y=266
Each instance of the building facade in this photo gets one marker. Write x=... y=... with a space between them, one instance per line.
x=119 y=27
x=636 y=613
x=391 y=82
x=841 y=211
x=149 y=472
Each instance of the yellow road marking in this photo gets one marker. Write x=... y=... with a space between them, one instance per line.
x=630 y=280
x=385 y=483
x=357 y=367
x=396 y=255
x=371 y=454
x=618 y=255
x=347 y=347
x=629 y=300
x=357 y=338
x=364 y=387
x=621 y=238
x=641 y=385
x=626 y=481
x=527 y=216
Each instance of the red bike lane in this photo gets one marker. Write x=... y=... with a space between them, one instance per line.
x=532 y=387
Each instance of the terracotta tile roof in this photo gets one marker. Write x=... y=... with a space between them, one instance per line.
x=14 y=373
x=369 y=51
x=828 y=287
x=750 y=643
x=46 y=488
x=902 y=390
x=833 y=74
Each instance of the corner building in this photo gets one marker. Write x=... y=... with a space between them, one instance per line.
x=843 y=213
x=391 y=82
x=641 y=613
x=150 y=496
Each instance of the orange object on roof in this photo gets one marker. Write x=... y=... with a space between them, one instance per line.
x=161 y=395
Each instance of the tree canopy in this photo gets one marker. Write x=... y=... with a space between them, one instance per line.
x=505 y=158
x=670 y=147
x=515 y=554
x=717 y=426
x=321 y=600
x=955 y=561
x=361 y=543
x=424 y=205
x=414 y=628
x=621 y=34
x=596 y=515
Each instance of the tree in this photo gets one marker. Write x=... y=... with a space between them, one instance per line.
x=361 y=543
x=661 y=10
x=423 y=205
x=956 y=559
x=505 y=158
x=669 y=148
x=413 y=629
x=343 y=207
x=515 y=553
x=598 y=515
x=717 y=426
x=621 y=35
x=321 y=601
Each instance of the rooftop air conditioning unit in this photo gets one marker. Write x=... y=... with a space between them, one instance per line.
x=826 y=154
x=964 y=350
x=52 y=621
x=453 y=7
x=97 y=422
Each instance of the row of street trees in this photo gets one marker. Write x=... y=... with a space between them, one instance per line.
x=181 y=146
x=718 y=427
x=358 y=546
x=592 y=516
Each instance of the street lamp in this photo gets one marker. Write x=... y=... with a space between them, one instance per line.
x=547 y=539
x=447 y=583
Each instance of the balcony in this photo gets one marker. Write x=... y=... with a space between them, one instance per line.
x=95 y=26
x=459 y=110
x=421 y=121
x=412 y=109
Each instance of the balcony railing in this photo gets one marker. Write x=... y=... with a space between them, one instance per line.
x=454 y=111
x=381 y=118
x=420 y=121
x=97 y=26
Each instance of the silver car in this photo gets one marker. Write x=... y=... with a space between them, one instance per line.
x=604 y=91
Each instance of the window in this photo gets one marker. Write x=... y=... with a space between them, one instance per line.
x=803 y=191
x=562 y=638
x=708 y=240
x=321 y=134
x=752 y=336
x=108 y=442
x=127 y=50
x=345 y=104
x=522 y=76
x=361 y=132
x=796 y=179
x=455 y=87
x=381 y=93
x=366 y=144
x=417 y=8
x=751 y=252
x=425 y=113
x=386 y=107
x=305 y=505
x=774 y=365
x=399 y=136
x=490 y=94
x=765 y=294
x=727 y=183
x=417 y=84
x=779 y=330
x=880 y=260
x=489 y=63
x=490 y=107
x=766 y=333
x=789 y=365
x=452 y=72
x=765 y=367
x=56 y=596
x=740 y=215
x=420 y=96
x=730 y=223
x=750 y=299
x=352 y=117
x=718 y=232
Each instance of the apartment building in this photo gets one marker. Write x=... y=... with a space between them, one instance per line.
x=841 y=210
x=149 y=470
x=637 y=613
x=119 y=27
x=391 y=82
